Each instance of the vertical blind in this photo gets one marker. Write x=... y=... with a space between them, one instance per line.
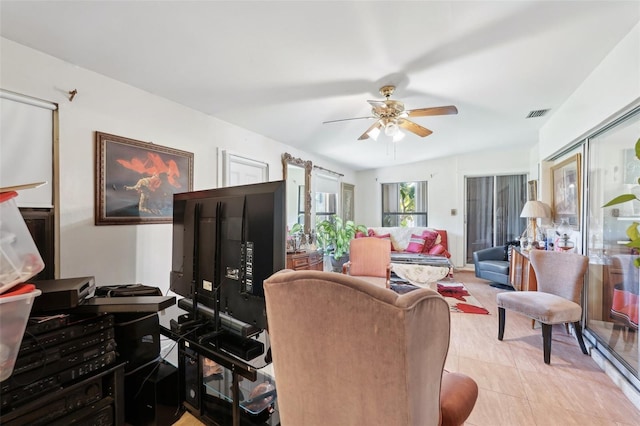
x=26 y=147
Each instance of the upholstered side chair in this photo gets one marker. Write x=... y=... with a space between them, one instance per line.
x=348 y=352
x=560 y=279
x=370 y=259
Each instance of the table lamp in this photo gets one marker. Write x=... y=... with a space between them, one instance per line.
x=532 y=210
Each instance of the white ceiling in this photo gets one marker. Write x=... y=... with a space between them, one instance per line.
x=281 y=68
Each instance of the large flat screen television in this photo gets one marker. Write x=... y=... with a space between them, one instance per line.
x=226 y=242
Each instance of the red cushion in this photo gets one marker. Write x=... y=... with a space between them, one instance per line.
x=361 y=234
x=430 y=238
x=416 y=244
x=443 y=238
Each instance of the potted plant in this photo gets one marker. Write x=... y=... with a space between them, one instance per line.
x=632 y=231
x=334 y=236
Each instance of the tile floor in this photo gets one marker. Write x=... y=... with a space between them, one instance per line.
x=516 y=387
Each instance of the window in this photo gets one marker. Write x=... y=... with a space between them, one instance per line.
x=327 y=187
x=404 y=204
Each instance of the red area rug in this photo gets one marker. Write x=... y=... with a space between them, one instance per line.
x=459 y=299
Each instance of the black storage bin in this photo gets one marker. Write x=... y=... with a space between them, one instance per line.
x=137 y=338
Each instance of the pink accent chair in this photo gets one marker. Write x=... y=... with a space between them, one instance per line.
x=347 y=352
x=370 y=259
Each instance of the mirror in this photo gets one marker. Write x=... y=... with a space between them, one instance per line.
x=297 y=173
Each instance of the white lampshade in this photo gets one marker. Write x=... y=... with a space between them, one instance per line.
x=535 y=209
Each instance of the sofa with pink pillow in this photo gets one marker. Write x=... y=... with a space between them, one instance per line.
x=413 y=239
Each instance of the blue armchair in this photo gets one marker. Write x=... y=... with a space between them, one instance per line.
x=492 y=264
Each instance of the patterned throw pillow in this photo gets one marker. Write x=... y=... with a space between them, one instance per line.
x=416 y=244
x=430 y=240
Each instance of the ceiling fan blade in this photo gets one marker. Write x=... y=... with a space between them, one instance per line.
x=377 y=103
x=346 y=119
x=415 y=128
x=423 y=112
x=375 y=125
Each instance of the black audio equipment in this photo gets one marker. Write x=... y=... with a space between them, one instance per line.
x=98 y=414
x=241 y=347
x=138 y=337
x=76 y=329
x=63 y=363
x=192 y=377
x=63 y=294
x=227 y=322
x=21 y=395
x=42 y=324
x=65 y=402
x=52 y=354
x=126 y=304
x=152 y=395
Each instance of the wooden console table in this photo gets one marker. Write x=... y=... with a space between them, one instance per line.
x=521 y=274
x=306 y=260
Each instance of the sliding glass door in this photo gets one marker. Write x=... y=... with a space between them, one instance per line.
x=493 y=206
x=612 y=289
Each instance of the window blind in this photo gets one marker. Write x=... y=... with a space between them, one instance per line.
x=26 y=147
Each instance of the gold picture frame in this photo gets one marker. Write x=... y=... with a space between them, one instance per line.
x=135 y=180
x=566 y=180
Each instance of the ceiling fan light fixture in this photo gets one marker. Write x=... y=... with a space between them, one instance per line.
x=374 y=133
x=398 y=136
x=391 y=128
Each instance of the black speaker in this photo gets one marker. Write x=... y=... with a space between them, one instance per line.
x=192 y=377
x=152 y=395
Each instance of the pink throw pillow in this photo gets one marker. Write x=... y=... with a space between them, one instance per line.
x=371 y=232
x=360 y=234
x=430 y=238
x=416 y=244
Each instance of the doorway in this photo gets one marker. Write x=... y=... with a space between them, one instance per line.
x=493 y=206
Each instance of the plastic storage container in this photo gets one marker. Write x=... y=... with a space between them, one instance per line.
x=15 y=307
x=19 y=256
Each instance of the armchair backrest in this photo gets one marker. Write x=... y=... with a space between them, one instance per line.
x=369 y=257
x=558 y=273
x=346 y=352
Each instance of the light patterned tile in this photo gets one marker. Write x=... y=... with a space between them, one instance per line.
x=497 y=409
x=494 y=377
x=577 y=395
x=544 y=414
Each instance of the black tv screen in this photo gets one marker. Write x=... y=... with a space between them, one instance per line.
x=230 y=239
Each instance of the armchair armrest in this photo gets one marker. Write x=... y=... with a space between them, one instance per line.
x=492 y=253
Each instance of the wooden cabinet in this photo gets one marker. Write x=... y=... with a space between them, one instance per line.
x=521 y=274
x=305 y=260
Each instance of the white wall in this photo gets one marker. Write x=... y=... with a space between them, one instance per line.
x=446 y=189
x=123 y=254
x=612 y=87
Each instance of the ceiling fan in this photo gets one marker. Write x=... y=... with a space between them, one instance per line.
x=390 y=116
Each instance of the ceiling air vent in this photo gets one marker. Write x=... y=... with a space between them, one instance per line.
x=537 y=113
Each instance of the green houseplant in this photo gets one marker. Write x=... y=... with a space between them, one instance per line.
x=632 y=231
x=334 y=236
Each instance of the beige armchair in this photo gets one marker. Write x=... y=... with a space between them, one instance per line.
x=370 y=259
x=347 y=352
x=560 y=279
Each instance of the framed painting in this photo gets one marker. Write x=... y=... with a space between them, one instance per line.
x=135 y=180
x=565 y=179
x=532 y=186
x=347 y=194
